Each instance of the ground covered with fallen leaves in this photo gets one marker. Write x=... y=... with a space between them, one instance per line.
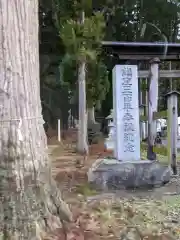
x=109 y=216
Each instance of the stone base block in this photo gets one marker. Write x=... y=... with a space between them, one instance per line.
x=111 y=174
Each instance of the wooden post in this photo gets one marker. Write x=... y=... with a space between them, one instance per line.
x=146 y=109
x=152 y=94
x=171 y=85
x=141 y=122
x=140 y=108
x=140 y=125
x=59 y=130
x=172 y=99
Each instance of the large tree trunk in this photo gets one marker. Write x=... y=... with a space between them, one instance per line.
x=29 y=196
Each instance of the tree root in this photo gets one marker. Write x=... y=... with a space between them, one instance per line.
x=57 y=211
x=28 y=213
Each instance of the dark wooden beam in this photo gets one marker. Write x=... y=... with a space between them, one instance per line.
x=174 y=74
x=143 y=50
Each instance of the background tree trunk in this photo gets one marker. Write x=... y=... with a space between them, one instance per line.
x=82 y=124
x=29 y=196
x=91 y=115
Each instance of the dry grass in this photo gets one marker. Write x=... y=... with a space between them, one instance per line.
x=107 y=218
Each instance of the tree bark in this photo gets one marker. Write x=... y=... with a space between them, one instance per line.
x=29 y=195
x=82 y=124
x=152 y=107
x=91 y=115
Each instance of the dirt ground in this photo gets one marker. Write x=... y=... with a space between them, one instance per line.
x=110 y=216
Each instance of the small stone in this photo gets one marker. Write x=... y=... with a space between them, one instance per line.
x=114 y=174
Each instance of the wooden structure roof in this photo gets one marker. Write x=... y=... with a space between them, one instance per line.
x=143 y=50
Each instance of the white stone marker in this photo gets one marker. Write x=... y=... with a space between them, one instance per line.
x=109 y=141
x=126 y=113
x=59 y=130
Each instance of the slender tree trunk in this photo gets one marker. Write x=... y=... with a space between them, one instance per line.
x=91 y=115
x=29 y=196
x=82 y=130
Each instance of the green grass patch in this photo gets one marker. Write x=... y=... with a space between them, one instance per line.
x=163 y=159
x=161 y=153
x=172 y=202
x=85 y=190
x=156 y=115
x=157 y=149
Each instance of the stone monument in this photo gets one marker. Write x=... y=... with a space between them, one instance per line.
x=126 y=112
x=127 y=169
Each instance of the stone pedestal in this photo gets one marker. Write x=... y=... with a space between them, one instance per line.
x=111 y=174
